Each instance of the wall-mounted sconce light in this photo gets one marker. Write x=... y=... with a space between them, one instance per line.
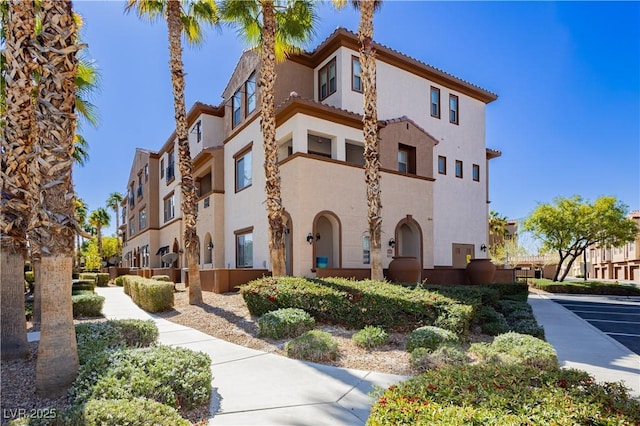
x=210 y=245
x=483 y=247
x=317 y=236
x=310 y=238
x=392 y=243
x=181 y=251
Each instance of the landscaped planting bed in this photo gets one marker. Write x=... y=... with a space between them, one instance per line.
x=585 y=287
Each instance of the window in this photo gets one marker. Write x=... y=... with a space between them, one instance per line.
x=458 y=168
x=144 y=256
x=250 y=90
x=435 y=102
x=406 y=159
x=132 y=226
x=453 y=109
x=366 y=250
x=244 y=248
x=170 y=166
x=475 y=171
x=162 y=168
x=442 y=165
x=327 y=80
x=143 y=219
x=356 y=70
x=198 y=129
x=146 y=172
x=236 y=104
x=131 y=196
x=140 y=185
x=169 y=208
x=204 y=184
x=243 y=168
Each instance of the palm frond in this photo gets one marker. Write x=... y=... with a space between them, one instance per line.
x=80 y=150
x=150 y=10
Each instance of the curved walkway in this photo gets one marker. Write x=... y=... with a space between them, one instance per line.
x=252 y=387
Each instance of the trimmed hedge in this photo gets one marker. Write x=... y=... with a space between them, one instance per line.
x=162 y=278
x=132 y=412
x=515 y=348
x=97 y=337
x=119 y=281
x=150 y=295
x=356 y=304
x=588 y=287
x=87 y=305
x=79 y=285
x=101 y=279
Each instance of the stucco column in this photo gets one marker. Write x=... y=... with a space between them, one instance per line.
x=300 y=143
x=338 y=148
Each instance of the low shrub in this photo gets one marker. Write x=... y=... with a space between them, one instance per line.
x=102 y=279
x=89 y=276
x=150 y=295
x=515 y=348
x=119 y=281
x=97 y=337
x=29 y=277
x=423 y=359
x=507 y=395
x=491 y=321
x=370 y=337
x=288 y=322
x=456 y=318
x=588 y=287
x=79 y=285
x=528 y=326
x=430 y=337
x=178 y=377
x=132 y=412
x=87 y=305
x=314 y=345
x=165 y=278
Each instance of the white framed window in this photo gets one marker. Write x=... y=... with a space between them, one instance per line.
x=250 y=91
x=366 y=249
x=243 y=168
x=236 y=103
x=169 y=208
x=356 y=73
x=327 y=80
x=435 y=102
x=244 y=248
x=453 y=109
x=403 y=161
x=143 y=219
x=475 y=172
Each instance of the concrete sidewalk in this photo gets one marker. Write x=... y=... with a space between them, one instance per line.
x=251 y=387
x=582 y=346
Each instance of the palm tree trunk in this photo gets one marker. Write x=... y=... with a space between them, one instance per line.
x=188 y=188
x=370 y=130
x=17 y=146
x=271 y=169
x=52 y=226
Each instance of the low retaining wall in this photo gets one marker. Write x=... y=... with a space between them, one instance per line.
x=227 y=280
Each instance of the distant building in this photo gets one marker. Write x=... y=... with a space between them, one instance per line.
x=434 y=167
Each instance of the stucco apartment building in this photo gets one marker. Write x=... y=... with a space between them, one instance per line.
x=616 y=263
x=434 y=160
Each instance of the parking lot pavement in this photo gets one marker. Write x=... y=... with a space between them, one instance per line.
x=616 y=316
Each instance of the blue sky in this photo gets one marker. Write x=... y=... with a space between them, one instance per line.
x=567 y=74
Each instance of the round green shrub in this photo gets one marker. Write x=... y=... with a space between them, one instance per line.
x=528 y=326
x=430 y=337
x=288 y=322
x=119 y=281
x=422 y=359
x=370 y=337
x=102 y=279
x=314 y=345
x=526 y=349
x=165 y=278
x=132 y=412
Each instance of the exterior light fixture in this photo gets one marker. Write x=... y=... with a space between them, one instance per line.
x=483 y=247
x=310 y=238
x=392 y=243
x=210 y=245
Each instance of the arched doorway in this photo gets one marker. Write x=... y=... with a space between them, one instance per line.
x=288 y=239
x=207 y=249
x=327 y=235
x=408 y=238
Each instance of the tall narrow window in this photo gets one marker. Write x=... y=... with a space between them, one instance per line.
x=143 y=219
x=435 y=102
x=198 y=130
x=476 y=172
x=243 y=168
x=403 y=161
x=146 y=172
x=442 y=165
x=458 y=168
x=132 y=226
x=162 y=169
x=356 y=71
x=244 y=248
x=169 y=208
x=327 y=80
x=366 y=250
x=236 y=103
x=250 y=90
x=406 y=159
x=453 y=109
x=170 y=166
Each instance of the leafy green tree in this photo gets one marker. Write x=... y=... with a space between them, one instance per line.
x=506 y=252
x=91 y=254
x=99 y=218
x=570 y=225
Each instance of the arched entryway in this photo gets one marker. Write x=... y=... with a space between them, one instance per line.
x=288 y=239
x=207 y=249
x=408 y=236
x=327 y=234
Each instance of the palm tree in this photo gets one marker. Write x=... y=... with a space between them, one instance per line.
x=370 y=129
x=17 y=146
x=99 y=218
x=284 y=27
x=113 y=202
x=183 y=17
x=52 y=225
x=81 y=219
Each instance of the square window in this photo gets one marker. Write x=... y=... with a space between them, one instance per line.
x=442 y=165
x=458 y=168
x=435 y=102
x=476 y=172
x=327 y=80
x=453 y=109
x=244 y=249
x=236 y=104
x=250 y=90
x=356 y=71
x=243 y=169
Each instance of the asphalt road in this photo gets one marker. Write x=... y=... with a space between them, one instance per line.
x=618 y=317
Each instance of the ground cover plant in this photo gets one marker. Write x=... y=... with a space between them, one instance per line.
x=585 y=287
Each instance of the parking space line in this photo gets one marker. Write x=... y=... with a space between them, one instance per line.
x=623 y=334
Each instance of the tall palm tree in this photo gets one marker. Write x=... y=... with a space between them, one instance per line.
x=113 y=202
x=99 y=218
x=370 y=129
x=183 y=17
x=52 y=227
x=17 y=145
x=285 y=25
